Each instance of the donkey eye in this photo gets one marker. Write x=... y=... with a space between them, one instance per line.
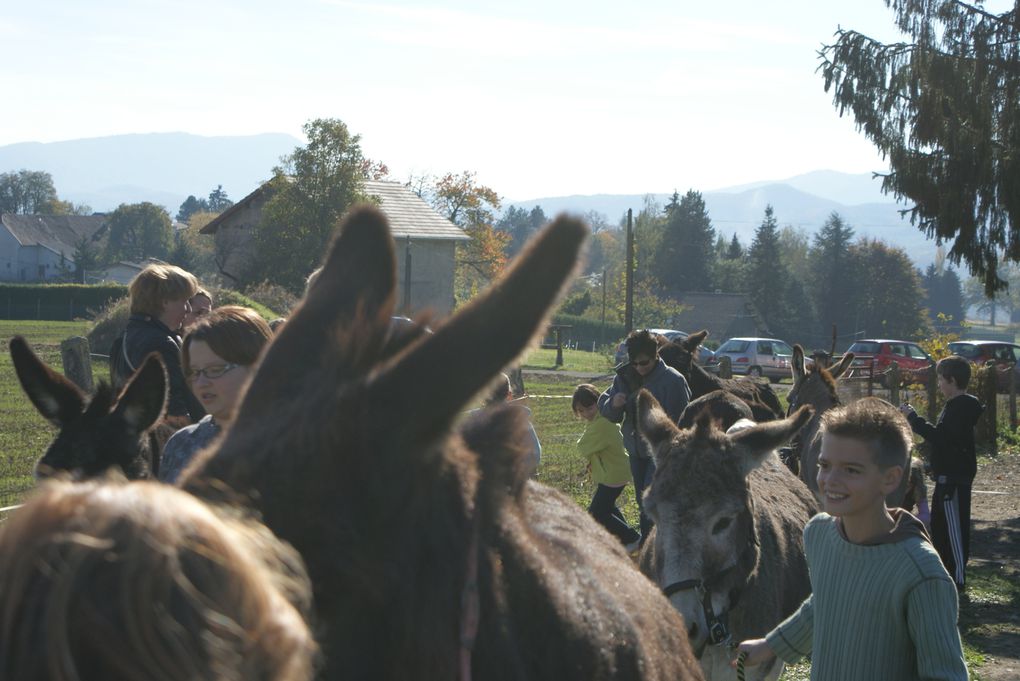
x=721 y=525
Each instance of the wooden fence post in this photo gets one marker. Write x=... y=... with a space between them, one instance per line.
x=892 y=379
x=1012 y=396
x=725 y=367
x=516 y=381
x=74 y=352
x=987 y=425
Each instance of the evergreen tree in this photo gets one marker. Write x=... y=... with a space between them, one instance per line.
x=684 y=259
x=943 y=295
x=218 y=201
x=191 y=206
x=767 y=281
x=888 y=292
x=735 y=251
x=832 y=276
x=943 y=106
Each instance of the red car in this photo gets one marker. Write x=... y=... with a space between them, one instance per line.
x=913 y=361
x=980 y=352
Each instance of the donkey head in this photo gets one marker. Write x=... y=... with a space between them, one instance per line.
x=705 y=536
x=95 y=433
x=344 y=441
x=814 y=386
x=680 y=354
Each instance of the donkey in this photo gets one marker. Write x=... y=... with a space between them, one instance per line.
x=727 y=548
x=759 y=397
x=816 y=386
x=102 y=431
x=431 y=552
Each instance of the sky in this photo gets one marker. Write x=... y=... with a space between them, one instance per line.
x=537 y=98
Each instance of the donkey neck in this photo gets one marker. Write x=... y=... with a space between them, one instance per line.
x=701 y=382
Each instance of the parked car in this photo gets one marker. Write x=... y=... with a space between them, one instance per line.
x=980 y=352
x=755 y=357
x=672 y=334
x=913 y=361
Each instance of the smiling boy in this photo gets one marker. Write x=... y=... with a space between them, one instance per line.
x=882 y=605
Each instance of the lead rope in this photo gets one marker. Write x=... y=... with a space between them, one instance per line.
x=740 y=665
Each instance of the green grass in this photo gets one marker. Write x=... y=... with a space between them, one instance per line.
x=573 y=360
x=24 y=434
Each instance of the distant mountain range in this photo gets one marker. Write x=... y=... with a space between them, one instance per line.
x=165 y=168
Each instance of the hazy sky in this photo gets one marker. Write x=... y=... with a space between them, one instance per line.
x=539 y=98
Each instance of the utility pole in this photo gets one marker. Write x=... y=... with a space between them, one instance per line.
x=407 y=276
x=628 y=315
x=602 y=331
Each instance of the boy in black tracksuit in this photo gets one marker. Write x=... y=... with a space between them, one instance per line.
x=953 y=464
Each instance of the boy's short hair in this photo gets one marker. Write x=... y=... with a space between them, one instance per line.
x=205 y=294
x=501 y=391
x=956 y=369
x=877 y=424
x=115 y=580
x=641 y=342
x=158 y=284
x=585 y=395
x=237 y=334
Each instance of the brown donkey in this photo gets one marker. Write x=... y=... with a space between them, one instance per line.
x=727 y=547
x=759 y=397
x=432 y=555
x=102 y=431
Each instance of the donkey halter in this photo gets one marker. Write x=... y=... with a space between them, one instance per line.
x=718 y=623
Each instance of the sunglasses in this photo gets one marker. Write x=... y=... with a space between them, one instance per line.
x=211 y=372
x=642 y=363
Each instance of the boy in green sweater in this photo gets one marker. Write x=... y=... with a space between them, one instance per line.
x=882 y=606
x=602 y=445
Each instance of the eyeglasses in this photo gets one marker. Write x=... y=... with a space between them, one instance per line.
x=211 y=372
x=642 y=363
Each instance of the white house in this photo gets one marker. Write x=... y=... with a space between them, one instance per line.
x=36 y=248
x=417 y=229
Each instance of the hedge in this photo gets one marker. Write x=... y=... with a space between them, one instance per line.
x=56 y=302
x=586 y=333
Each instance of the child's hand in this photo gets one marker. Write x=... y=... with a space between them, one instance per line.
x=758 y=652
x=907 y=410
x=619 y=399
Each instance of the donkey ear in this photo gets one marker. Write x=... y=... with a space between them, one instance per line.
x=347 y=307
x=143 y=399
x=692 y=341
x=842 y=365
x=57 y=399
x=653 y=423
x=761 y=439
x=464 y=354
x=797 y=365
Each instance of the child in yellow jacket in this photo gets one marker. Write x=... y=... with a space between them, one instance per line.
x=602 y=446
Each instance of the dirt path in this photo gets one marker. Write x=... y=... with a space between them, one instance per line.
x=991 y=620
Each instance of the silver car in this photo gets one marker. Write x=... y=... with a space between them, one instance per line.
x=756 y=357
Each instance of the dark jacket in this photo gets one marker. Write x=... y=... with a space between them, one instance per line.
x=666 y=384
x=144 y=335
x=952 y=438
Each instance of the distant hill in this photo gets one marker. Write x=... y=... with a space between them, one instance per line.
x=163 y=168
x=858 y=199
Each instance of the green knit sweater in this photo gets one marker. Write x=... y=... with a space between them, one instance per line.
x=602 y=445
x=877 y=613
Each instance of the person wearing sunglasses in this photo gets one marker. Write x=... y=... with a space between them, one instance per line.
x=219 y=353
x=619 y=404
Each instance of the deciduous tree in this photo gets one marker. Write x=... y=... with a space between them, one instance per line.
x=138 y=231
x=309 y=192
x=26 y=192
x=944 y=107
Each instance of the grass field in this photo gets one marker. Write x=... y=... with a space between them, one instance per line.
x=23 y=433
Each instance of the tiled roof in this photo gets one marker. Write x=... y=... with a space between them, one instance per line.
x=58 y=233
x=408 y=213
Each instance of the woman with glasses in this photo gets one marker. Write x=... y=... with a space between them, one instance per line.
x=219 y=354
x=619 y=404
